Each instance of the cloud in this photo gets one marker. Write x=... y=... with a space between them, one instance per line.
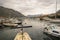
x=32 y=7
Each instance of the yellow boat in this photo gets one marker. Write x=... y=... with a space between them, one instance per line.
x=25 y=36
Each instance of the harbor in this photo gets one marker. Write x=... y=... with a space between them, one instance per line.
x=35 y=32
x=29 y=19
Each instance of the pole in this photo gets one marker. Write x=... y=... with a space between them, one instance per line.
x=56 y=10
x=22 y=32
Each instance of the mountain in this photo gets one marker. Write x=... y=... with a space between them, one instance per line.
x=52 y=15
x=57 y=14
x=6 y=12
x=36 y=16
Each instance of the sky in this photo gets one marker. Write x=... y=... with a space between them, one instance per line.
x=32 y=7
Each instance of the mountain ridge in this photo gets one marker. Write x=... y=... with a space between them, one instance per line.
x=6 y=12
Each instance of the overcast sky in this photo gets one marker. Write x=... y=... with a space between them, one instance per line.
x=32 y=7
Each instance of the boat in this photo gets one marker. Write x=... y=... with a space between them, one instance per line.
x=10 y=24
x=14 y=20
x=52 y=30
x=25 y=36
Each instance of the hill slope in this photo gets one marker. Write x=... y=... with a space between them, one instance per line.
x=6 y=12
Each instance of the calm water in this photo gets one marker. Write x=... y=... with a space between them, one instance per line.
x=36 y=32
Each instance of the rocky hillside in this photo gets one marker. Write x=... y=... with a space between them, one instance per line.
x=6 y=12
x=57 y=14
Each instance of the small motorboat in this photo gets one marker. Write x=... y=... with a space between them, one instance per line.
x=25 y=36
x=10 y=24
x=53 y=30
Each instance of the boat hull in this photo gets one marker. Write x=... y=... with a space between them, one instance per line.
x=25 y=36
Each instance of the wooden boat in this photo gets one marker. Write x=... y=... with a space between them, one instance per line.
x=25 y=36
x=10 y=24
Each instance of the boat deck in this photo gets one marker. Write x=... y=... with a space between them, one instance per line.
x=25 y=36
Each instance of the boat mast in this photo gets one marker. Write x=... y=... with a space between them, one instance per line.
x=56 y=10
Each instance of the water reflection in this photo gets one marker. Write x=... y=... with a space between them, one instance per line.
x=50 y=37
x=36 y=32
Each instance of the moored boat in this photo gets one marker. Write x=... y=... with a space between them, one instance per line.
x=9 y=24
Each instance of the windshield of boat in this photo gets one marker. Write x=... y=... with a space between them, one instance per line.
x=53 y=27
